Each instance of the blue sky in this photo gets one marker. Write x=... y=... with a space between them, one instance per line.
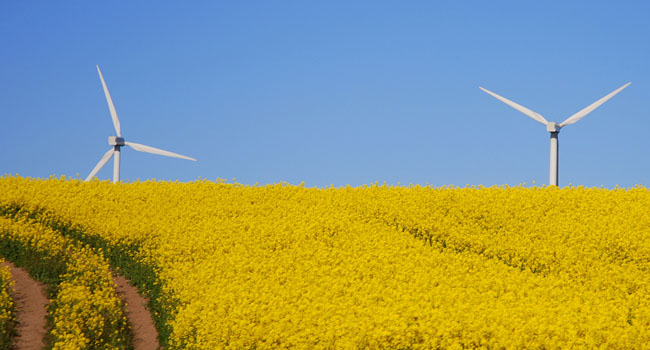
x=330 y=92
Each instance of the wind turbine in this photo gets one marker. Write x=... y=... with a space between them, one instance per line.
x=118 y=141
x=553 y=127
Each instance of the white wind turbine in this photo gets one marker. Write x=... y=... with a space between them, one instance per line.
x=553 y=127
x=118 y=141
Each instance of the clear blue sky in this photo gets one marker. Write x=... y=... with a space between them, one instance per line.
x=329 y=92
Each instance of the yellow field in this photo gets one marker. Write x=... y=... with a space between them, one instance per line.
x=285 y=266
x=7 y=312
x=85 y=311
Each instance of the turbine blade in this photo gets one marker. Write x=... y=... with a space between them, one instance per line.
x=111 y=107
x=149 y=149
x=101 y=163
x=534 y=115
x=574 y=118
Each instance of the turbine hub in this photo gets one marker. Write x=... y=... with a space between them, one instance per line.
x=115 y=141
x=553 y=127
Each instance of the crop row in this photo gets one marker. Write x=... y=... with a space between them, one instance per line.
x=369 y=267
x=84 y=310
x=7 y=307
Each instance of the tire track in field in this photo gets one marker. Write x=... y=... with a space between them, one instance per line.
x=143 y=331
x=31 y=310
x=145 y=335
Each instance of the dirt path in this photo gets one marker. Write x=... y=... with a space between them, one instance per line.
x=145 y=335
x=31 y=311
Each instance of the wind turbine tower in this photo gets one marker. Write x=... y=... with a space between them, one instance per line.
x=117 y=142
x=553 y=127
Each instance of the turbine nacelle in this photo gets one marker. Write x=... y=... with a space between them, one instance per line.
x=116 y=141
x=553 y=127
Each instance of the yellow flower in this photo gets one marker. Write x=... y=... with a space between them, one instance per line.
x=283 y=266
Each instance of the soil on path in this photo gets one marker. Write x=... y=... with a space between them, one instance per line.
x=145 y=335
x=31 y=303
x=31 y=312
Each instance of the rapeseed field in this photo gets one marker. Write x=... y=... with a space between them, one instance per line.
x=7 y=307
x=281 y=266
x=85 y=311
